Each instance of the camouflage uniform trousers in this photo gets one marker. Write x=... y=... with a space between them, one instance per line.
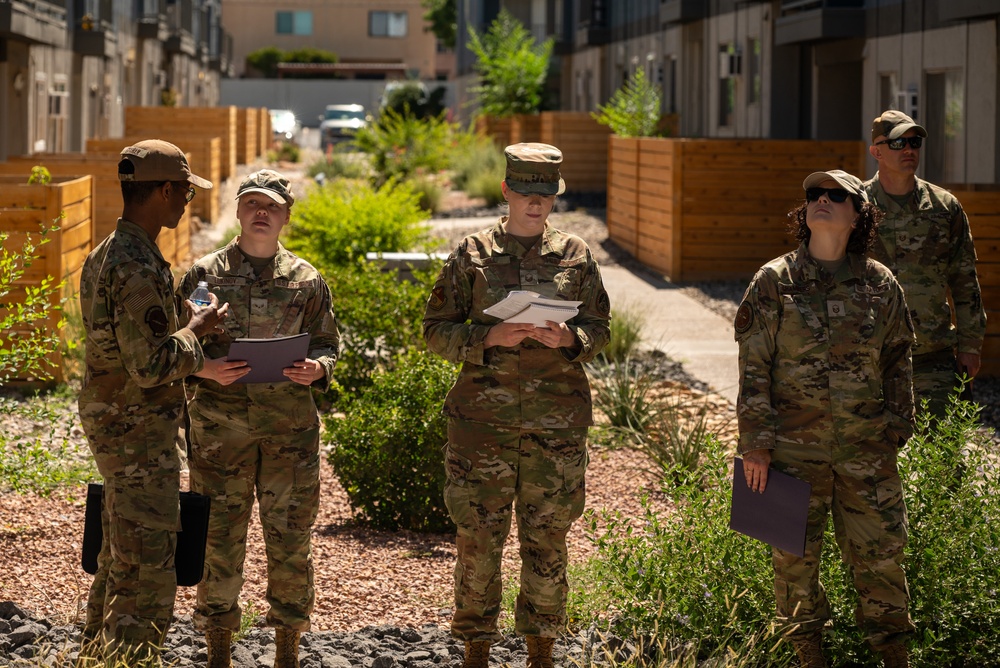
x=490 y=470
x=935 y=378
x=131 y=599
x=283 y=471
x=860 y=485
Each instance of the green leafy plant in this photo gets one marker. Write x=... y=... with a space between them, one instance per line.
x=634 y=109
x=623 y=392
x=511 y=66
x=442 y=19
x=40 y=175
x=26 y=344
x=676 y=437
x=285 y=151
x=266 y=60
x=400 y=145
x=341 y=164
x=414 y=100
x=477 y=167
x=387 y=449
x=627 y=323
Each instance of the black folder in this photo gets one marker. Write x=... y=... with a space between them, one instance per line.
x=189 y=558
x=267 y=358
x=778 y=516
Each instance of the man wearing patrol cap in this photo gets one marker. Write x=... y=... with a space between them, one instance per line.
x=925 y=240
x=825 y=396
x=520 y=408
x=132 y=400
x=259 y=439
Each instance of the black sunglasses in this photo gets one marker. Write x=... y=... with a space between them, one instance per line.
x=898 y=143
x=837 y=195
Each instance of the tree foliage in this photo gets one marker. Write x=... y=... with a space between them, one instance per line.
x=266 y=59
x=512 y=67
x=634 y=109
x=443 y=19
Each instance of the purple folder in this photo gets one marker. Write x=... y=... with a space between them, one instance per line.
x=778 y=516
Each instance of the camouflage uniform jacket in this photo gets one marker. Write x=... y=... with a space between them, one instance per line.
x=290 y=297
x=823 y=357
x=928 y=246
x=529 y=385
x=136 y=356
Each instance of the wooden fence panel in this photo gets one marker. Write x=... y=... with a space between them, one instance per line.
x=195 y=122
x=623 y=184
x=264 y=130
x=246 y=135
x=66 y=203
x=584 y=145
x=204 y=158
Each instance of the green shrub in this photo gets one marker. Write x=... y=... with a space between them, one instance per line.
x=400 y=145
x=687 y=577
x=341 y=165
x=286 y=151
x=476 y=154
x=380 y=317
x=342 y=221
x=429 y=192
x=388 y=449
x=627 y=323
x=634 y=109
x=674 y=440
x=27 y=343
x=486 y=185
x=623 y=392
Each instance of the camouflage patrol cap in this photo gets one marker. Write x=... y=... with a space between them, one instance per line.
x=157 y=160
x=894 y=124
x=848 y=182
x=533 y=168
x=270 y=183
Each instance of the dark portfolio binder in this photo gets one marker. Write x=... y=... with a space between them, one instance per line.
x=190 y=556
x=778 y=516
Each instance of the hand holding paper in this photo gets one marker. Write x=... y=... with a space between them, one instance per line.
x=523 y=306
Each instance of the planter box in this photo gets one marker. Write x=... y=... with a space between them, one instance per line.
x=711 y=209
x=204 y=157
x=186 y=123
x=247 y=135
x=66 y=203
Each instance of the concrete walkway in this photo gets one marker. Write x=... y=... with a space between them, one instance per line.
x=681 y=327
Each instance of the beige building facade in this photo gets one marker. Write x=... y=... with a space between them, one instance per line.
x=374 y=39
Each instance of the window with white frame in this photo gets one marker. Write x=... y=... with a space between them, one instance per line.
x=387 y=24
x=59 y=97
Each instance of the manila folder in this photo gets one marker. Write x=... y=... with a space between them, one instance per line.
x=778 y=516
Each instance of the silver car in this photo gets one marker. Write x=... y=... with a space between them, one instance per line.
x=340 y=122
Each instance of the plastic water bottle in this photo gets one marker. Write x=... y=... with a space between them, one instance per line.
x=200 y=294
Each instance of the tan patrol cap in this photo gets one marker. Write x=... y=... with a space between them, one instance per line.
x=157 y=160
x=848 y=182
x=533 y=168
x=894 y=124
x=268 y=182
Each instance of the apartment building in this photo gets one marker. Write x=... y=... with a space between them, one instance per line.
x=818 y=69
x=68 y=68
x=373 y=39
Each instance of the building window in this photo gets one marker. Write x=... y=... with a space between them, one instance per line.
x=293 y=23
x=753 y=70
x=944 y=118
x=728 y=69
x=59 y=97
x=887 y=92
x=387 y=24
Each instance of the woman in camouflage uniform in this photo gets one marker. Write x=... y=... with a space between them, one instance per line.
x=826 y=396
x=520 y=409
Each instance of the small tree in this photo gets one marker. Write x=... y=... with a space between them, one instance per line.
x=443 y=20
x=512 y=67
x=634 y=109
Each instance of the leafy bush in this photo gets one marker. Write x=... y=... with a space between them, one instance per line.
x=511 y=66
x=623 y=392
x=26 y=346
x=400 y=145
x=412 y=99
x=387 y=450
x=342 y=221
x=428 y=191
x=380 y=317
x=266 y=60
x=634 y=109
x=627 y=323
x=340 y=165
x=688 y=579
x=286 y=151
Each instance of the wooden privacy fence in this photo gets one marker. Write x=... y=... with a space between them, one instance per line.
x=982 y=206
x=263 y=131
x=704 y=209
x=247 y=136
x=65 y=203
x=186 y=123
x=203 y=157
x=582 y=140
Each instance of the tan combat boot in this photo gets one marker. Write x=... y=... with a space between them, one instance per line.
x=895 y=656
x=477 y=654
x=286 y=650
x=810 y=652
x=218 y=641
x=540 y=651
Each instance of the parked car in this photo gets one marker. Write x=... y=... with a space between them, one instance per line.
x=340 y=122
x=284 y=125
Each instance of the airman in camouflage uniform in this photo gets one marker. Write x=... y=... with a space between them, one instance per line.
x=520 y=408
x=132 y=400
x=825 y=396
x=260 y=438
x=924 y=238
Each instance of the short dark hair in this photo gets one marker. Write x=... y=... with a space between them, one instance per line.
x=137 y=192
x=862 y=237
